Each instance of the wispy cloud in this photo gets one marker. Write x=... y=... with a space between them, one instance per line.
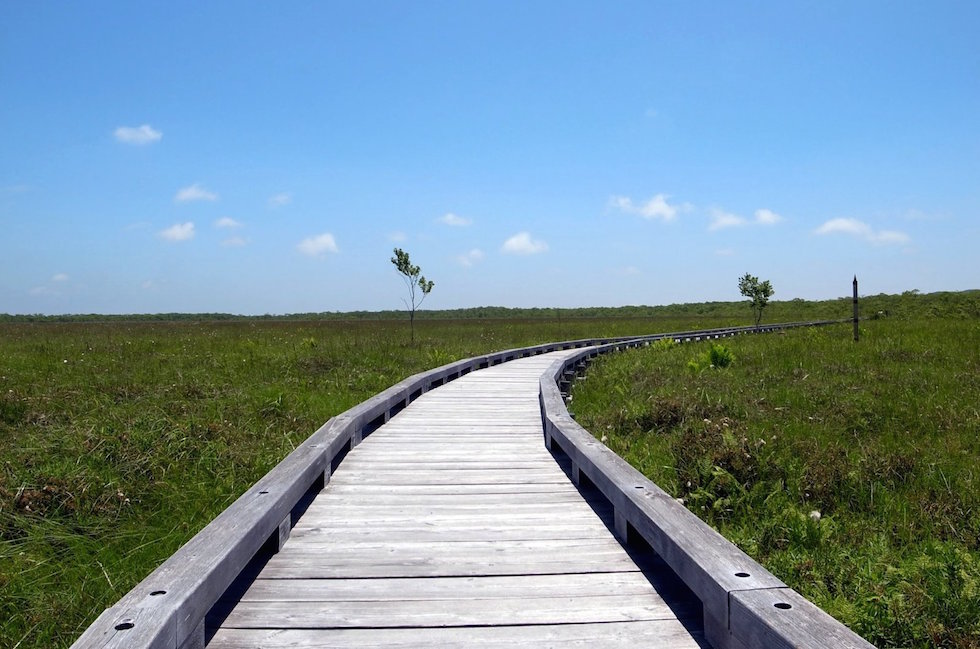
x=42 y=290
x=194 y=192
x=767 y=217
x=139 y=135
x=318 y=246
x=234 y=242
x=60 y=277
x=522 y=244
x=724 y=252
x=721 y=219
x=397 y=237
x=178 y=232
x=467 y=259
x=285 y=198
x=862 y=230
x=455 y=220
x=655 y=208
x=227 y=222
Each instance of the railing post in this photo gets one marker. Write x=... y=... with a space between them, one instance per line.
x=855 y=308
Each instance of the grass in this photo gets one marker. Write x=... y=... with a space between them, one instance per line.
x=848 y=470
x=119 y=441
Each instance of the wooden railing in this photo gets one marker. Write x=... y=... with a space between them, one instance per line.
x=744 y=605
x=167 y=609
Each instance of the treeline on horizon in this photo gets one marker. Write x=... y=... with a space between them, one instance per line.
x=945 y=304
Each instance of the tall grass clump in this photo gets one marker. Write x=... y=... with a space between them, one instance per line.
x=848 y=469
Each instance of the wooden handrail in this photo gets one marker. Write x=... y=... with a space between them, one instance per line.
x=744 y=605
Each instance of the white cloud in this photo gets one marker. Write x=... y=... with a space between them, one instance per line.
x=148 y=284
x=522 y=244
x=144 y=134
x=721 y=219
x=724 y=252
x=845 y=226
x=279 y=200
x=767 y=217
x=454 y=220
x=194 y=192
x=397 y=237
x=886 y=237
x=469 y=258
x=42 y=290
x=227 y=222
x=655 y=208
x=862 y=230
x=60 y=277
x=178 y=232
x=234 y=242
x=318 y=246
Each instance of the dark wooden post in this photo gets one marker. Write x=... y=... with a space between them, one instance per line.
x=855 y=308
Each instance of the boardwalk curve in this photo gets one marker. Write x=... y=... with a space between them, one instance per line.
x=452 y=525
x=459 y=529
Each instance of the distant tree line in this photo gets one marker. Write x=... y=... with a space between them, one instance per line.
x=946 y=304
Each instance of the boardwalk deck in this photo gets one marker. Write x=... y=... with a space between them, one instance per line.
x=453 y=526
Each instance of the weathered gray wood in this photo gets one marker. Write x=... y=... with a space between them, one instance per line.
x=662 y=634
x=448 y=588
x=783 y=619
x=458 y=532
x=718 y=572
x=454 y=612
x=434 y=530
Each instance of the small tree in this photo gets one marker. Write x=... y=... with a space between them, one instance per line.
x=418 y=287
x=757 y=292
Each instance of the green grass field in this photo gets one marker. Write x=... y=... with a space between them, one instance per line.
x=850 y=470
x=119 y=440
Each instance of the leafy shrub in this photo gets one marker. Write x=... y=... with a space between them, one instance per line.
x=715 y=356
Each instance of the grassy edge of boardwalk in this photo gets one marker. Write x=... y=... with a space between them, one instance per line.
x=120 y=440
x=849 y=470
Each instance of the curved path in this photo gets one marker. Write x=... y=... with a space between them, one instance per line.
x=452 y=525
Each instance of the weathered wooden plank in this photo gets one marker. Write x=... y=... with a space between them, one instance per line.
x=450 y=478
x=302 y=566
x=450 y=489
x=456 y=612
x=421 y=465
x=488 y=549
x=468 y=520
x=446 y=507
x=353 y=497
x=452 y=588
x=662 y=634
x=443 y=518
x=456 y=532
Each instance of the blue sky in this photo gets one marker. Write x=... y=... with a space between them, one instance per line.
x=257 y=158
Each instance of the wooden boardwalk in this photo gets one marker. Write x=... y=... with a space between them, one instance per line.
x=452 y=526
